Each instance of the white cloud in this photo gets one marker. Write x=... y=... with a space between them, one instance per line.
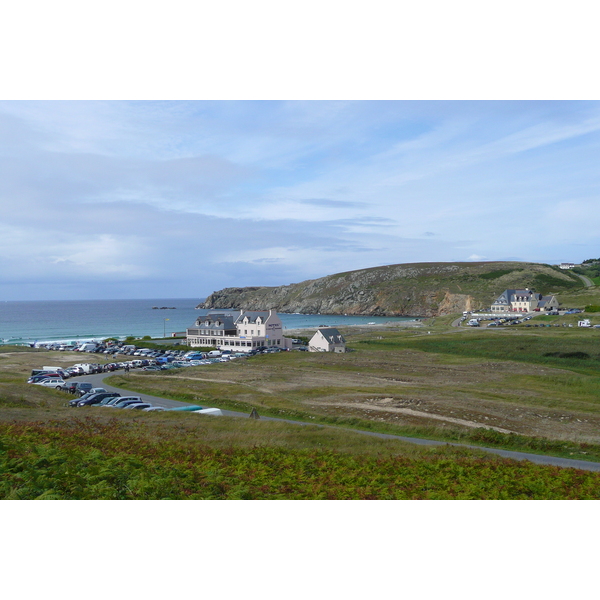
x=209 y=193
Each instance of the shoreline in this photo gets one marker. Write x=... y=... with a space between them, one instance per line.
x=291 y=332
x=354 y=326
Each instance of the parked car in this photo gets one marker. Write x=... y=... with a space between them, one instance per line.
x=51 y=383
x=38 y=378
x=97 y=391
x=138 y=405
x=82 y=387
x=119 y=402
x=53 y=374
x=96 y=398
x=126 y=402
x=110 y=401
x=114 y=397
x=70 y=387
x=92 y=392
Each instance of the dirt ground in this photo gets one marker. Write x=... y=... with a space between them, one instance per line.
x=405 y=388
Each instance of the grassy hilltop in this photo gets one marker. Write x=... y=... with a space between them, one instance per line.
x=417 y=289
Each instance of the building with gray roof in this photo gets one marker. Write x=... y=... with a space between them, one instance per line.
x=515 y=300
x=327 y=339
x=239 y=331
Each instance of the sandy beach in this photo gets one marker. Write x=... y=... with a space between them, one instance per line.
x=356 y=329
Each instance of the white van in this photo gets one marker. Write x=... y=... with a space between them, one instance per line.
x=213 y=353
x=87 y=347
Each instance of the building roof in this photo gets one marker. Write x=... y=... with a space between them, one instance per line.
x=216 y=321
x=253 y=315
x=506 y=297
x=332 y=335
x=545 y=300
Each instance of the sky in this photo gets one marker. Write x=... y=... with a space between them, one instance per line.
x=135 y=199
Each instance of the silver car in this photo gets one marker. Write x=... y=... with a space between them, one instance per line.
x=138 y=405
x=51 y=383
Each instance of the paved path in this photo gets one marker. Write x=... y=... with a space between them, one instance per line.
x=586 y=280
x=97 y=381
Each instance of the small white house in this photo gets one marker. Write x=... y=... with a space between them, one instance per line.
x=327 y=339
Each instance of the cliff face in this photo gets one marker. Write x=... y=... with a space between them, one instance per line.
x=417 y=290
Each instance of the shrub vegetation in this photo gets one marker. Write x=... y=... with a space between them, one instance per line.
x=87 y=460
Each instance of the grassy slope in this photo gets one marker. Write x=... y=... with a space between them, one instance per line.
x=411 y=289
x=39 y=436
x=233 y=386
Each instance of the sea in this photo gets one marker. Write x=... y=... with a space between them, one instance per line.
x=28 y=322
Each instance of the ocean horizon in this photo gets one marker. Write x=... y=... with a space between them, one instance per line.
x=30 y=321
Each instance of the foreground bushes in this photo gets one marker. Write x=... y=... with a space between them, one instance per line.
x=83 y=459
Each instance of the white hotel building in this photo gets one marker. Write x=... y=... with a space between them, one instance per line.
x=238 y=330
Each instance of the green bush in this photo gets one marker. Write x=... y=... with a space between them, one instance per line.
x=546 y=283
x=87 y=460
x=497 y=274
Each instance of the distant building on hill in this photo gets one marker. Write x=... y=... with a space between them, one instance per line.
x=523 y=301
x=566 y=266
x=238 y=330
x=327 y=339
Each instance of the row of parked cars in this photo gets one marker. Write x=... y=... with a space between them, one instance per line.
x=496 y=322
x=56 y=377
x=88 y=395
x=100 y=397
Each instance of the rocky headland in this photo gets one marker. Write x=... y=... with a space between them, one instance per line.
x=412 y=290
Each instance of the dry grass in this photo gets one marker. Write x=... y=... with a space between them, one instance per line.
x=406 y=388
x=391 y=385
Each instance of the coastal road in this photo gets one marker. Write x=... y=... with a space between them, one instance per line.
x=97 y=381
x=586 y=280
